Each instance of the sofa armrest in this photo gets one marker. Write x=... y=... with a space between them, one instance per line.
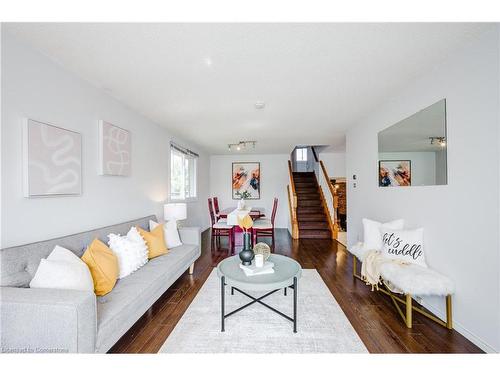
x=47 y=320
x=190 y=235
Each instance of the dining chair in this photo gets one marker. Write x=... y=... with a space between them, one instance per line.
x=265 y=227
x=216 y=208
x=219 y=229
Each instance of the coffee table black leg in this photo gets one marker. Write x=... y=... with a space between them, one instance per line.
x=222 y=284
x=294 y=305
x=232 y=291
x=284 y=291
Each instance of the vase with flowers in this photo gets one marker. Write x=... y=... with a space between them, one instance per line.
x=242 y=195
x=246 y=255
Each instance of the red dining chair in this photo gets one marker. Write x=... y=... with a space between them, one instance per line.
x=216 y=208
x=219 y=229
x=265 y=227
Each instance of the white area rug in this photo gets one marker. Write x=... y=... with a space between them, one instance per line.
x=322 y=326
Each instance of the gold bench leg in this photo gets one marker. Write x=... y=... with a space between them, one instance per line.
x=408 y=310
x=354 y=266
x=449 y=318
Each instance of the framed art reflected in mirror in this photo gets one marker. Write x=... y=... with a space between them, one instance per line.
x=394 y=173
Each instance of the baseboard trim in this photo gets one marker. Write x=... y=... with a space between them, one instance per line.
x=457 y=326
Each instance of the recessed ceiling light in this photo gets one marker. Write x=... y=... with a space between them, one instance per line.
x=208 y=61
x=259 y=105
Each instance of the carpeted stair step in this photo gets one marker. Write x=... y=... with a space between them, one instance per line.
x=310 y=209
x=313 y=225
x=309 y=196
x=300 y=186
x=308 y=203
x=311 y=217
x=314 y=233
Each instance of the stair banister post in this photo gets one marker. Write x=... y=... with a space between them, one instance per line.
x=293 y=203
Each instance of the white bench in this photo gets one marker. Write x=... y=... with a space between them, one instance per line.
x=410 y=280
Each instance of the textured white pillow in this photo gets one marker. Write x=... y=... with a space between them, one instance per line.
x=406 y=245
x=172 y=238
x=372 y=238
x=131 y=251
x=63 y=270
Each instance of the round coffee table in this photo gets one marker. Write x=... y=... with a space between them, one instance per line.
x=286 y=274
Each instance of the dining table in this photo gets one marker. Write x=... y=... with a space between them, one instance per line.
x=253 y=212
x=233 y=213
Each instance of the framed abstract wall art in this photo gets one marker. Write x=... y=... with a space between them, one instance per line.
x=394 y=173
x=52 y=158
x=246 y=180
x=114 y=150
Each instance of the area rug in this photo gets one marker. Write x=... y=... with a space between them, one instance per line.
x=322 y=325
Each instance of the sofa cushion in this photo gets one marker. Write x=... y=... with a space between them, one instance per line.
x=132 y=296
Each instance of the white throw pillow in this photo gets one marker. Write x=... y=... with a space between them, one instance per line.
x=131 y=251
x=372 y=237
x=60 y=254
x=172 y=238
x=63 y=270
x=405 y=245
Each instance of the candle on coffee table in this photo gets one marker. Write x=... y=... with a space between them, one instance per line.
x=259 y=260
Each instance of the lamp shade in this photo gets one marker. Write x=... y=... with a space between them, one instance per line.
x=175 y=211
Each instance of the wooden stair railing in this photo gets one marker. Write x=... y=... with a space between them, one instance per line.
x=292 y=203
x=333 y=192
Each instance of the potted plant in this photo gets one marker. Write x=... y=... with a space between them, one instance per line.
x=246 y=255
x=242 y=195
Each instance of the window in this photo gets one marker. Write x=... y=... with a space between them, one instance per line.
x=183 y=173
x=301 y=154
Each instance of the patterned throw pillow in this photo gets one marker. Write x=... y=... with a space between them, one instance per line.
x=131 y=251
x=404 y=245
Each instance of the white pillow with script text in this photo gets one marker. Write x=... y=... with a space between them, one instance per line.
x=405 y=245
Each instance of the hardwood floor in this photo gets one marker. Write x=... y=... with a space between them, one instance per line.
x=372 y=314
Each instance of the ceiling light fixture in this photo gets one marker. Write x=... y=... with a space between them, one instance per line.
x=259 y=105
x=208 y=61
x=241 y=145
x=439 y=140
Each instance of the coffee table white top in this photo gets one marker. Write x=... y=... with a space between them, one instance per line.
x=285 y=269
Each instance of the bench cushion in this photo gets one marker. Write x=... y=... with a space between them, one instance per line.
x=416 y=280
x=410 y=278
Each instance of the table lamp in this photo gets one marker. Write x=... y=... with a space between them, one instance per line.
x=174 y=211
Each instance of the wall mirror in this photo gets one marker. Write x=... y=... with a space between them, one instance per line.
x=413 y=151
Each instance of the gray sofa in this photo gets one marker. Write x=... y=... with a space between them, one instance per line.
x=52 y=320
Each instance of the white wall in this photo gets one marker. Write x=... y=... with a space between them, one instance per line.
x=274 y=179
x=461 y=219
x=35 y=87
x=423 y=165
x=334 y=163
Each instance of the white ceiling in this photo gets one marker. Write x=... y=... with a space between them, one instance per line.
x=316 y=79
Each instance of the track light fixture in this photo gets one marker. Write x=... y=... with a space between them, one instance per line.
x=439 y=140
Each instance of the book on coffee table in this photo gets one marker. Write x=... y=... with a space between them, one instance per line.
x=252 y=270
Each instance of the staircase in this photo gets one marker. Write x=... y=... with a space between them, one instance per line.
x=311 y=216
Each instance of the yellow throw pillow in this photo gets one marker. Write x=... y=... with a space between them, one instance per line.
x=155 y=241
x=103 y=266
